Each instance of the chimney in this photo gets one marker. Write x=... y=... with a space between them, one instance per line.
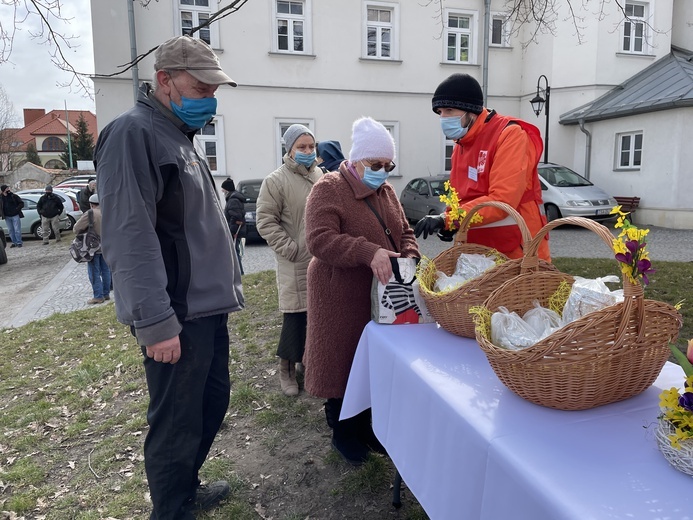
x=32 y=114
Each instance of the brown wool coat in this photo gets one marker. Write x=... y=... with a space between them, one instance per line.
x=343 y=235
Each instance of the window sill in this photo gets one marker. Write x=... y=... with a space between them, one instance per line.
x=635 y=55
x=292 y=54
x=459 y=64
x=504 y=47
x=380 y=60
x=634 y=169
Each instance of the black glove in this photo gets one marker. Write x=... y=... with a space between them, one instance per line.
x=446 y=235
x=429 y=225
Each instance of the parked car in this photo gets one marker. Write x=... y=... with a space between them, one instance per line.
x=69 y=202
x=421 y=197
x=250 y=189
x=78 y=181
x=568 y=194
x=31 y=223
x=3 y=245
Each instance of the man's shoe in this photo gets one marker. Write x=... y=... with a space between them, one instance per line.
x=13 y=245
x=107 y=297
x=19 y=245
x=209 y=495
x=45 y=243
x=94 y=301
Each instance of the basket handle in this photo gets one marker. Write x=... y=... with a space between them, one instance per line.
x=633 y=293
x=461 y=235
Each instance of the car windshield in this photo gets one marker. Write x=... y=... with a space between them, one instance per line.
x=562 y=177
x=250 y=191
x=437 y=187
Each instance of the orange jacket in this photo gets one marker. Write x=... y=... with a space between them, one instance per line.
x=497 y=161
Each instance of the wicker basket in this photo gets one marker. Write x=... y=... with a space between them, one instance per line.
x=451 y=309
x=605 y=356
x=680 y=458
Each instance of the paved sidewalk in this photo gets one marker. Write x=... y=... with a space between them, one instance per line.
x=68 y=291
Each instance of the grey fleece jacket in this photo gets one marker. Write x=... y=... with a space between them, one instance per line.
x=164 y=234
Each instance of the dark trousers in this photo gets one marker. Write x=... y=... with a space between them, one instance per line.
x=187 y=404
x=292 y=339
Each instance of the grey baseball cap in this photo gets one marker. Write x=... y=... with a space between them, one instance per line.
x=193 y=56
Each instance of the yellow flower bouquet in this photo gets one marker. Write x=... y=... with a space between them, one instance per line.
x=454 y=214
x=631 y=249
x=675 y=431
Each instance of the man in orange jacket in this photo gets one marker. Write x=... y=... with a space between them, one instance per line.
x=495 y=159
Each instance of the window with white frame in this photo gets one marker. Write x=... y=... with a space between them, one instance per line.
x=292 y=28
x=500 y=33
x=449 y=147
x=629 y=150
x=635 y=28
x=281 y=126
x=192 y=13
x=459 y=31
x=211 y=138
x=381 y=25
x=393 y=128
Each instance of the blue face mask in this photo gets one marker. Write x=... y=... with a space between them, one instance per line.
x=452 y=127
x=306 y=159
x=195 y=112
x=374 y=179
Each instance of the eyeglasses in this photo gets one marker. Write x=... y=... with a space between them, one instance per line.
x=378 y=166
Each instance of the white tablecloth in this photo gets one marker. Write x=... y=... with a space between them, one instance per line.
x=468 y=448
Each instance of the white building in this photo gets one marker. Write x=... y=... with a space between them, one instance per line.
x=326 y=63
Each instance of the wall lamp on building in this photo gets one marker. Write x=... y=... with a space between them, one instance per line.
x=538 y=104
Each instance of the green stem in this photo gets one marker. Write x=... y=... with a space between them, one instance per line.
x=682 y=360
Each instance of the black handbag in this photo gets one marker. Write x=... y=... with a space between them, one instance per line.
x=87 y=244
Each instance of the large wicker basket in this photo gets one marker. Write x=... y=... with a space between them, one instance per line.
x=605 y=356
x=451 y=309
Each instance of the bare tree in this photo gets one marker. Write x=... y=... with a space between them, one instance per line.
x=9 y=149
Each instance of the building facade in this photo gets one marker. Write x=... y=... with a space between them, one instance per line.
x=324 y=64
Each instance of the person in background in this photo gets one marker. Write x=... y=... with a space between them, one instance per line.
x=50 y=206
x=280 y=211
x=234 y=211
x=97 y=268
x=330 y=155
x=347 y=215
x=494 y=159
x=85 y=193
x=175 y=271
x=11 y=206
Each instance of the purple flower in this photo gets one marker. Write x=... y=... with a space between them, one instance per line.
x=686 y=401
x=626 y=258
x=633 y=246
x=644 y=267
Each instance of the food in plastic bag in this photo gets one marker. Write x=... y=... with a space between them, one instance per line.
x=589 y=295
x=510 y=331
x=468 y=266
x=544 y=321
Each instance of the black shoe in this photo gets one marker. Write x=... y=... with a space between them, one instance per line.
x=209 y=495
x=19 y=245
x=349 y=447
x=364 y=432
x=13 y=245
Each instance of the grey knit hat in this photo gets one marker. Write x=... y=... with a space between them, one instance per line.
x=48 y=188
x=294 y=132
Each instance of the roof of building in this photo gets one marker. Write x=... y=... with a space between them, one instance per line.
x=53 y=123
x=666 y=84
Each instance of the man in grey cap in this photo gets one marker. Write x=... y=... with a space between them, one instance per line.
x=50 y=206
x=175 y=272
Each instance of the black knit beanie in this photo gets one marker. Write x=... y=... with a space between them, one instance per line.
x=228 y=185
x=459 y=91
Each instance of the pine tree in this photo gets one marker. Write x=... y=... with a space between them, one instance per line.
x=32 y=155
x=82 y=143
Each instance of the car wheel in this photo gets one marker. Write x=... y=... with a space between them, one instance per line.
x=552 y=213
x=38 y=232
x=72 y=222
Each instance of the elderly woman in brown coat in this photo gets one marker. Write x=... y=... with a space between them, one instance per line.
x=350 y=246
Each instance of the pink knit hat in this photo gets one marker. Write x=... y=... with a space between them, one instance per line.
x=370 y=140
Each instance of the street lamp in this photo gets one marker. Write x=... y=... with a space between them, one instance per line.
x=537 y=105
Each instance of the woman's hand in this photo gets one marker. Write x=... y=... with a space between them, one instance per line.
x=381 y=265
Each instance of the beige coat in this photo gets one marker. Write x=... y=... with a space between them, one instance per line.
x=280 y=220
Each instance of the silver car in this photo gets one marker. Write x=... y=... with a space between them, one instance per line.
x=69 y=202
x=31 y=223
x=421 y=197
x=567 y=194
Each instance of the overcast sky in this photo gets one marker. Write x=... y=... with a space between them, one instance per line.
x=31 y=80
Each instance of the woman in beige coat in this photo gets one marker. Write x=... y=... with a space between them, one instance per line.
x=280 y=210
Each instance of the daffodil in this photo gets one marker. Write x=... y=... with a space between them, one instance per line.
x=630 y=249
x=677 y=409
